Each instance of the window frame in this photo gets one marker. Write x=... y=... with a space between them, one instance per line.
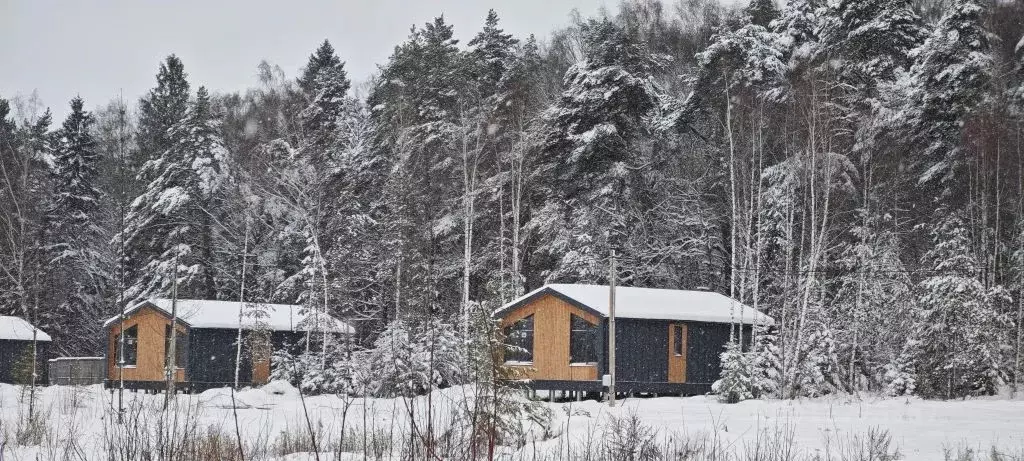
x=520 y=333
x=588 y=336
x=131 y=347
x=179 y=347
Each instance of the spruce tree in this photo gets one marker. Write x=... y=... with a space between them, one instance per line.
x=492 y=52
x=957 y=324
x=174 y=217
x=323 y=59
x=762 y=12
x=325 y=85
x=736 y=381
x=78 y=255
x=949 y=79
x=162 y=108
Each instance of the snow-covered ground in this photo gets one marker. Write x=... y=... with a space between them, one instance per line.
x=273 y=417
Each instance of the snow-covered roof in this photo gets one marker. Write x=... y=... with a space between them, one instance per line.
x=200 y=313
x=17 y=329
x=653 y=303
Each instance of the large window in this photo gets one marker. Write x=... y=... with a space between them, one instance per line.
x=130 y=355
x=582 y=340
x=519 y=337
x=179 y=346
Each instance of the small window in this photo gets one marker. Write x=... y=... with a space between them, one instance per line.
x=130 y=353
x=179 y=346
x=677 y=339
x=582 y=340
x=519 y=337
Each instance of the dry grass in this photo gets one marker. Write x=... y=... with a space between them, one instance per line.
x=149 y=433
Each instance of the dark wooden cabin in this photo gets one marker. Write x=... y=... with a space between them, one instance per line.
x=667 y=341
x=16 y=351
x=205 y=345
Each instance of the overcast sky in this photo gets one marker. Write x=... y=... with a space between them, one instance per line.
x=97 y=48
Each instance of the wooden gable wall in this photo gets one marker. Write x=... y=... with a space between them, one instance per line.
x=152 y=326
x=551 y=317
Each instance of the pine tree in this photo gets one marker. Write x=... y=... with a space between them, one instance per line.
x=594 y=136
x=174 y=217
x=744 y=59
x=799 y=21
x=869 y=41
x=78 y=254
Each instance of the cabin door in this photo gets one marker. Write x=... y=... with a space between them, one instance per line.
x=677 y=352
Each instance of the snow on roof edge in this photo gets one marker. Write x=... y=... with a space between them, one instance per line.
x=18 y=329
x=198 y=313
x=654 y=304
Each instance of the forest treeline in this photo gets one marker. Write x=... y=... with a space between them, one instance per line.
x=852 y=168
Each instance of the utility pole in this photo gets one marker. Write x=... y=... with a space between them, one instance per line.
x=172 y=352
x=611 y=330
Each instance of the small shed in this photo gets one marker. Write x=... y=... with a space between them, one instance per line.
x=667 y=341
x=205 y=347
x=16 y=337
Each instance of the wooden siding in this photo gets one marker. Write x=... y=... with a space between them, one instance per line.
x=677 y=363
x=551 y=317
x=149 y=366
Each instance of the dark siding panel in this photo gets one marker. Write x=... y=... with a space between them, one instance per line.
x=292 y=341
x=211 y=357
x=12 y=351
x=211 y=354
x=707 y=342
x=602 y=350
x=642 y=350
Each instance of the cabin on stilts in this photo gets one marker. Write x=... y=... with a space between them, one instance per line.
x=205 y=347
x=16 y=351
x=667 y=341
